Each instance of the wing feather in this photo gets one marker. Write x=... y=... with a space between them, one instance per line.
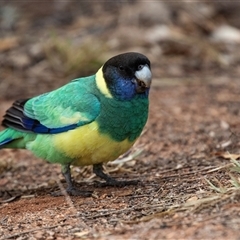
x=58 y=111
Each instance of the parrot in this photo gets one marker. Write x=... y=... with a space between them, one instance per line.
x=88 y=121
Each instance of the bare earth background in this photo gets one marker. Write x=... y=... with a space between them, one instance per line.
x=186 y=156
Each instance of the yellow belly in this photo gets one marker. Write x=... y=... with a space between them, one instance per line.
x=86 y=146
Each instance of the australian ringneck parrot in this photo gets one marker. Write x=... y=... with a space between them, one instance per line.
x=89 y=121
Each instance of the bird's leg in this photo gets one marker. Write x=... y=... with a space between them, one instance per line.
x=98 y=170
x=71 y=190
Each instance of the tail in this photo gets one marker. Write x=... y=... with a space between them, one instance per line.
x=5 y=141
x=10 y=138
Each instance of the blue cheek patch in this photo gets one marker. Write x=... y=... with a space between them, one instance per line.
x=122 y=88
x=125 y=89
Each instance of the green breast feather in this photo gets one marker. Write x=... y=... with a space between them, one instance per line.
x=123 y=119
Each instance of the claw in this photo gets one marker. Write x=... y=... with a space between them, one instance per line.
x=98 y=170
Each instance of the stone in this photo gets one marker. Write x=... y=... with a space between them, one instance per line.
x=226 y=34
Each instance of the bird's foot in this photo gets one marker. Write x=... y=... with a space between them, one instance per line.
x=115 y=183
x=98 y=170
x=72 y=192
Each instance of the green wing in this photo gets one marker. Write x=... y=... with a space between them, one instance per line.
x=69 y=106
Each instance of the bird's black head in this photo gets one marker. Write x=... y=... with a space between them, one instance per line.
x=127 y=75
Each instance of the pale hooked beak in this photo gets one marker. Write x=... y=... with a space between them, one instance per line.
x=143 y=78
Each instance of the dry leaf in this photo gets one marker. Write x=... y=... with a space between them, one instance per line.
x=227 y=155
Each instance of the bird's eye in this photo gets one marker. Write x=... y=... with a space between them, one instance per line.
x=140 y=67
x=121 y=68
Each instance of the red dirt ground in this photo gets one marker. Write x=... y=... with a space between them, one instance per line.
x=190 y=126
